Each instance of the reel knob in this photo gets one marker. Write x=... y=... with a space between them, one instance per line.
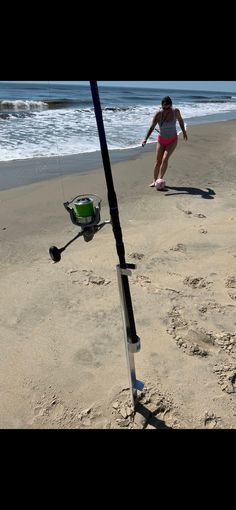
x=55 y=253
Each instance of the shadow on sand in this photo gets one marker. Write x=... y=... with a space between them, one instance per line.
x=151 y=418
x=184 y=190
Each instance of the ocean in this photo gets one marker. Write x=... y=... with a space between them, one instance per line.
x=48 y=119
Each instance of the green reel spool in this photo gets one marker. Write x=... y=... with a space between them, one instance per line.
x=84 y=209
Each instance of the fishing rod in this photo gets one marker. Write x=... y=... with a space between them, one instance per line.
x=85 y=213
x=132 y=341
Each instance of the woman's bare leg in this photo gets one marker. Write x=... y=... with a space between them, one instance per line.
x=165 y=159
x=159 y=155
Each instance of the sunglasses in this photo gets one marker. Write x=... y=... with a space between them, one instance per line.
x=166 y=107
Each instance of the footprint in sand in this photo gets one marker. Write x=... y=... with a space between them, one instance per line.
x=179 y=247
x=232 y=295
x=230 y=282
x=98 y=280
x=199 y=342
x=194 y=342
x=211 y=420
x=212 y=306
x=195 y=282
x=88 y=278
x=85 y=357
x=136 y=256
x=144 y=281
x=226 y=342
x=49 y=409
x=226 y=374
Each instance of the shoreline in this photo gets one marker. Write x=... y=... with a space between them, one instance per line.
x=23 y=172
x=28 y=171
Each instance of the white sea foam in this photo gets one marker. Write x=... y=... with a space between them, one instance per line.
x=65 y=131
x=22 y=104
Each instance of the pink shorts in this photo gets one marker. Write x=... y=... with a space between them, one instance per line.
x=166 y=141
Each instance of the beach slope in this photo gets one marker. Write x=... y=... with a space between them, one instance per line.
x=63 y=360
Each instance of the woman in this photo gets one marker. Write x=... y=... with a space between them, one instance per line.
x=167 y=138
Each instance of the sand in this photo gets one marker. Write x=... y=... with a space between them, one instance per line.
x=63 y=359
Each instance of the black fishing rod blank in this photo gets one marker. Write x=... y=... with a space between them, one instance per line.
x=132 y=341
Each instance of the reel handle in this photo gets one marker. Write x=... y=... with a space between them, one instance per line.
x=55 y=253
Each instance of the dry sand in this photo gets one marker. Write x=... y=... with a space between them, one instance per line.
x=63 y=360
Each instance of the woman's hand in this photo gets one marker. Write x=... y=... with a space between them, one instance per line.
x=185 y=135
x=144 y=142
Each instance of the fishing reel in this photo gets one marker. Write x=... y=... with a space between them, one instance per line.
x=84 y=213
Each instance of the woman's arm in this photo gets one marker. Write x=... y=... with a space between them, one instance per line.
x=181 y=122
x=152 y=127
